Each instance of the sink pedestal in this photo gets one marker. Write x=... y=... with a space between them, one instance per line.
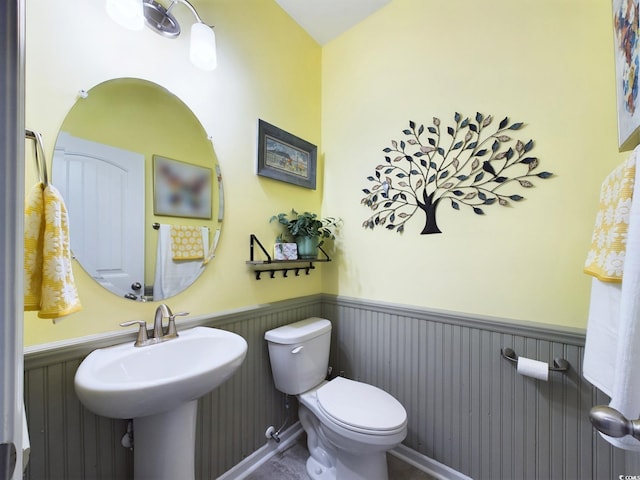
x=164 y=444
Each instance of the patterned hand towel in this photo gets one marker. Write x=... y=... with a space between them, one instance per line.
x=186 y=242
x=611 y=354
x=49 y=283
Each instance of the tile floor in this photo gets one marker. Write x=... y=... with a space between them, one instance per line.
x=290 y=465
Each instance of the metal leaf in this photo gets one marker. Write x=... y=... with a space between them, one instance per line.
x=487 y=167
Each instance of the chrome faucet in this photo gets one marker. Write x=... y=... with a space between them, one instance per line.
x=162 y=312
x=160 y=334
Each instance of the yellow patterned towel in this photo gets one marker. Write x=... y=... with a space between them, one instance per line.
x=605 y=259
x=186 y=242
x=49 y=283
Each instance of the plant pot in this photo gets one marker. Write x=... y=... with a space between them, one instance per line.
x=307 y=247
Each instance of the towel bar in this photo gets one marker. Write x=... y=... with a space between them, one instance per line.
x=612 y=423
x=41 y=164
x=559 y=364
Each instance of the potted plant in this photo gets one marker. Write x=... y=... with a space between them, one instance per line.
x=307 y=230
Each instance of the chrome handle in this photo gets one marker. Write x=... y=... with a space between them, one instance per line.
x=613 y=423
x=297 y=349
x=142 y=337
x=171 y=328
x=136 y=286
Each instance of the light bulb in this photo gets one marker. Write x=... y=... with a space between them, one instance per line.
x=127 y=13
x=203 y=47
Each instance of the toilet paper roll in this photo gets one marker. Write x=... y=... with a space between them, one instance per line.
x=533 y=368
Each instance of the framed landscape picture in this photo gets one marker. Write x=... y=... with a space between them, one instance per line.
x=285 y=157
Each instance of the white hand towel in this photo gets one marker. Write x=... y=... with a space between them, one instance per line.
x=171 y=276
x=612 y=349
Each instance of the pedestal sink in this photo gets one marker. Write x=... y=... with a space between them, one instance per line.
x=158 y=386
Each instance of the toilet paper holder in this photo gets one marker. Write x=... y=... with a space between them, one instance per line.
x=559 y=364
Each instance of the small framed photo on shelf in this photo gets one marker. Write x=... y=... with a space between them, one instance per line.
x=285 y=251
x=285 y=157
x=181 y=189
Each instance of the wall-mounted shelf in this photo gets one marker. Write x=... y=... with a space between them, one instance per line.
x=271 y=266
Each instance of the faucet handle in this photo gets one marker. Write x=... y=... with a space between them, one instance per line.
x=171 y=328
x=142 y=337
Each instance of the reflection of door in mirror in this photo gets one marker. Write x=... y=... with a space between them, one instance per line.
x=133 y=115
x=108 y=242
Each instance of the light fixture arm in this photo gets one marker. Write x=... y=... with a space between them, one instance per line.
x=134 y=14
x=190 y=7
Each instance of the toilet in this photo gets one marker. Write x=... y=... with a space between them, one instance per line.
x=350 y=425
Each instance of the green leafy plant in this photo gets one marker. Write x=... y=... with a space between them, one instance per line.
x=305 y=224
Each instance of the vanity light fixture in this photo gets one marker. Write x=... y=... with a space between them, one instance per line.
x=134 y=14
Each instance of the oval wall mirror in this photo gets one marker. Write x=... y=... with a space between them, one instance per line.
x=142 y=186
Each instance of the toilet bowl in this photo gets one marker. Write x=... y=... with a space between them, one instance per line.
x=350 y=425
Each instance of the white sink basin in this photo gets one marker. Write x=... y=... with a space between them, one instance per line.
x=124 y=381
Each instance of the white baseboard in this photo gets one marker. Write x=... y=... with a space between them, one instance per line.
x=426 y=464
x=291 y=434
x=263 y=454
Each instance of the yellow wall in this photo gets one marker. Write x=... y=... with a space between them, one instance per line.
x=268 y=68
x=548 y=63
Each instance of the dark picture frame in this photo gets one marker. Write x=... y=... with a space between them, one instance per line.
x=627 y=62
x=181 y=189
x=285 y=157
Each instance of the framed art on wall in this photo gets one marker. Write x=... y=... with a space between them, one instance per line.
x=285 y=157
x=181 y=189
x=626 y=30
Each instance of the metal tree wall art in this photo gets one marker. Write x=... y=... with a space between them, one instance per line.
x=474 y=164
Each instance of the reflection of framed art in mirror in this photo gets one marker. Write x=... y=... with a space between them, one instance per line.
x=181 y=189
x=285 y=157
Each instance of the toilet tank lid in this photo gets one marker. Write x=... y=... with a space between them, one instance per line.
x=299 y=331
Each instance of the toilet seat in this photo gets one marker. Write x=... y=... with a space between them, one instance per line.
x=361 y=407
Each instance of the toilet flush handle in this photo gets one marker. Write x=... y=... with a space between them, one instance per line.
x=297 y=349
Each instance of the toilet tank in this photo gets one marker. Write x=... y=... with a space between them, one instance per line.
x=299 y=354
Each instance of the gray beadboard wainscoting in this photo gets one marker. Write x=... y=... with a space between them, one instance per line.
x=467 y=407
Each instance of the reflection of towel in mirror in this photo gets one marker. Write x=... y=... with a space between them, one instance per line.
x=186 y=242
x=49 y=286
x=611 y=355
x=171 y=276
